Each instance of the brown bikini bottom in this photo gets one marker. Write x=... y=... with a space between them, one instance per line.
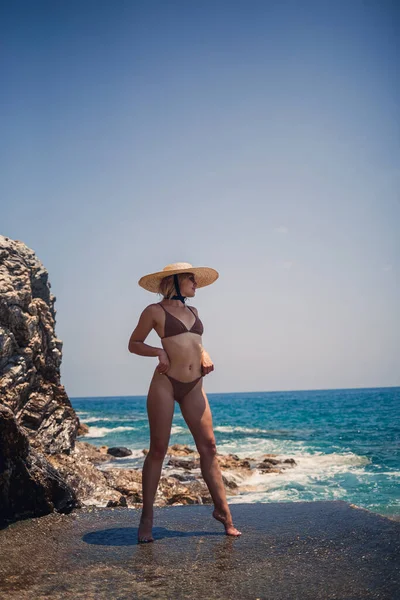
x=182 y=388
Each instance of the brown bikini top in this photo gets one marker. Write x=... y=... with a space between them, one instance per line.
x=174 y=326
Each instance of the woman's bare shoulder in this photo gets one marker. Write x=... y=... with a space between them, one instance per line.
x=153 y=308
x=195 y=310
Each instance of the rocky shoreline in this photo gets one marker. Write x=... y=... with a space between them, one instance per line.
x=91 y=473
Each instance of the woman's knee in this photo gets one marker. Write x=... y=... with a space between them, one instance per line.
x=157 y=451
x=207 y=447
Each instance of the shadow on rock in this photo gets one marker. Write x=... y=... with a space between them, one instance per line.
x=127 y=536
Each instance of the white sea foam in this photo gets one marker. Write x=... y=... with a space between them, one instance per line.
x=97 y=432
x=178 y=429
x=232 y=429
x=314 y=475
x=339 y=461
x=94 y=419
x=390 y=473
x=254 y=446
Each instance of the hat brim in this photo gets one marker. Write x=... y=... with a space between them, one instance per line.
x=204 y=276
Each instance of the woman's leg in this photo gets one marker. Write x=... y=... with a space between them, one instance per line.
x=160 y=410
x=197 y=414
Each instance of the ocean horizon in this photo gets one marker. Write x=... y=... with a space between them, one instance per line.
x=345 y=441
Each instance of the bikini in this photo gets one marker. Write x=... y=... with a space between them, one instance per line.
x=174 y=326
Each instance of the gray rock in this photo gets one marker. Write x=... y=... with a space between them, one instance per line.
x=36 y=416
x=119 y=451
x=183 y=463
x=30 y=352
x=29 y=485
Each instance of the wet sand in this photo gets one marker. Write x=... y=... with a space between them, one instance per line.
x=309 y=551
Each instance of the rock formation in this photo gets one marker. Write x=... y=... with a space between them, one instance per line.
x=30 y=353
x=36 y=416
x=29 y=485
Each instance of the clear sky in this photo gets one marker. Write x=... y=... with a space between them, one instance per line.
x=261 y=138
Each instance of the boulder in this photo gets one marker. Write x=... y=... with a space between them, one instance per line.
x=30 y=352
x=182 y=450
x=232 y=461
x=29 y=485
x=183 y=463
x=119 y=451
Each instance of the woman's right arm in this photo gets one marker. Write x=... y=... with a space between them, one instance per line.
x=136 y=344
x=145 y=324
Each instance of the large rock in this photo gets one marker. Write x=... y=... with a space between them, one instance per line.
x=36 y=416
x=29 y=485
x=119 y=451
x=30 y=352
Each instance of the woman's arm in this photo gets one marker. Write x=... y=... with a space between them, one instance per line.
x=136 y=343
x=207 y=364
x=145 y=324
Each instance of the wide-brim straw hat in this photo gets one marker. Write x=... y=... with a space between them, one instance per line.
x=204 y=275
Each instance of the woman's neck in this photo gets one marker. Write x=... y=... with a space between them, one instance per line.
x=170 y=302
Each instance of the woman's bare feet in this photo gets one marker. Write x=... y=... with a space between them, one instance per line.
x=145 y=528
x=227 y=522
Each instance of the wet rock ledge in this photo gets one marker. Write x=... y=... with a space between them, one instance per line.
x=292 y=550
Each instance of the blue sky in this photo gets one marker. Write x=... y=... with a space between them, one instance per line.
x=259 y=138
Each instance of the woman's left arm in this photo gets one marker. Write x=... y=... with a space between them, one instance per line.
x=206 y=363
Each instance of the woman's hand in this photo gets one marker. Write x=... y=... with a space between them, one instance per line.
x=206 y=363
x=163 y=362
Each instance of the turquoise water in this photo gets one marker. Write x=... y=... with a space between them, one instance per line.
x=345 y=442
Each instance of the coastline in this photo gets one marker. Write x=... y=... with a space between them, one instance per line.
x=97 y=479
x=342 y=451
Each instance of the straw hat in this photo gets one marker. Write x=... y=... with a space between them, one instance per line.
x=204 y=275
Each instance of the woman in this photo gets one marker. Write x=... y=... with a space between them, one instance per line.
x=182 y=363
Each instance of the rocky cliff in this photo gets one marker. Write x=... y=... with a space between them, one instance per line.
x=36 y=417
x=30 y=352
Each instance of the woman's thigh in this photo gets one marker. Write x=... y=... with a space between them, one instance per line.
x=197 y=414
x=160 y=411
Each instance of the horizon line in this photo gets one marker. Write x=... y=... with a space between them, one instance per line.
x=389 y=387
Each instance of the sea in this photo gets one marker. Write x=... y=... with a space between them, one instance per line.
x=346 y=442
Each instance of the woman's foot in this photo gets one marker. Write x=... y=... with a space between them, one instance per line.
x=227 y=522
x=145 y=528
